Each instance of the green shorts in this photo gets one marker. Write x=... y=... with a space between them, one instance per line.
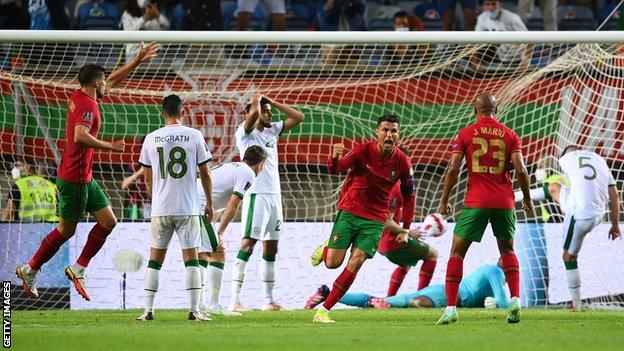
x=76 y=198
x=350 y=229
x=408 y=255
x=472 y=222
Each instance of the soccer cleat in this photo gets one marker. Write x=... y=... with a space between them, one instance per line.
x=449 y=316
x=220 y=311
x=513 y=312
x=319 y=296
x=80 y=282
x=198 y=317
x=378 y=302
x=273 y=306
x=322 y=316
x=29 y=280
x=146 y=316
x=317 y=254
x=238 y=307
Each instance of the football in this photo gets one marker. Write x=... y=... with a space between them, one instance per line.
x=434 y=225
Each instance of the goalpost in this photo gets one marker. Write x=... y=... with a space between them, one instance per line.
x=555 y=88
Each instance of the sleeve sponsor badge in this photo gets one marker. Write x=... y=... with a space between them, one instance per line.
x=247 y=186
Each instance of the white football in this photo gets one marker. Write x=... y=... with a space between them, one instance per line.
x=434 y=225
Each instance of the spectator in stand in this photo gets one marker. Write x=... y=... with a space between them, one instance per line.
x=470 y=15
x=400 y=53
x=48 y=14
x=342 y=15
x=496 y=18
x=16 y=15
x=246 y=8
x=142 y=15
x=87 y=11
x=549 y=12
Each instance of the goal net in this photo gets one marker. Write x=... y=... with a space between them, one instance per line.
x=552 y=94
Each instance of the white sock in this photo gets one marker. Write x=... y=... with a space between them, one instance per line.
x=216 y=275
x=193 y=287
x=238 y=275
x=202 y=296
x=78 y=268
x=574 y=285
x=267 y=271
x=450 y=308
x=151 y=287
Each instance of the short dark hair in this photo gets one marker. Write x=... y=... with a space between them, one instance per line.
x=569 y=148
x=88 y=73
x=263 y=102
x=254 y=155
x=388 y=118
x=399 y=14
x=172 y=105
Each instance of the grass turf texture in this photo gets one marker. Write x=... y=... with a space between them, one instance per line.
x=363 y=329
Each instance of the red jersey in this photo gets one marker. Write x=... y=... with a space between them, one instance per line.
x=487 y=145
x=366 y=190
x=395 y=205
x=77 y=160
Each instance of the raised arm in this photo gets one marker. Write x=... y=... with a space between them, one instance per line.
x=337 y=164
x=253 y=114
x=614 y=207
x=523 y=180
x=145 y=53
x=450 y=180
x=293 y=117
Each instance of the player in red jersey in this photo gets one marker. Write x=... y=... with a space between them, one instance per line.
x=78 y=191
x=374 y=167
x=490 y=149
x=405 y=255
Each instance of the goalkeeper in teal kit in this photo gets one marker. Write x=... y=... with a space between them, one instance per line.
x=485 y=287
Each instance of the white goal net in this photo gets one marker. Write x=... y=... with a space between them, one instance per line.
x=552 y=94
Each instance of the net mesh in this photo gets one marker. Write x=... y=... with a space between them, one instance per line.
x=552 y=95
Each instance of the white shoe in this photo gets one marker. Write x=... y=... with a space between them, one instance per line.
x=198 y=317
x=79 y=279
x=29 y=280
x=273 y=306
x=146 y=316
x=238 y=307
x=220 y=311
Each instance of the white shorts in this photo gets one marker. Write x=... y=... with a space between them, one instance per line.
x=575 y=231
x=262 y=216
x=187 y=228
x=274 y=6
x=209 y=240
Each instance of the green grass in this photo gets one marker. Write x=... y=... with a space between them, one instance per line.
x=406 y=329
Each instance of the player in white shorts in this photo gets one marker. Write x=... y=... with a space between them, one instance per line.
x=262 y=217
x=583 y=193
x=171 y=157
x=245 y=9
x=230 y=182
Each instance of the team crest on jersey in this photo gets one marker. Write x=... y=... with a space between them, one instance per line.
x=256 y=230
x=247 y=186
x=270 y=143
x=87 y=116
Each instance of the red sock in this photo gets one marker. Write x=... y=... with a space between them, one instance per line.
x=454 y=273
x=426 y=273
x=512 y=272
x=97 y=237
x=341 y=285
x=396 y=280
x=49 y=246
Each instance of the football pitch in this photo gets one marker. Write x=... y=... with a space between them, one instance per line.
x=363 y=329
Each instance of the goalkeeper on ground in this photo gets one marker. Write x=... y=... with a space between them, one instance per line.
x=485 y=287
